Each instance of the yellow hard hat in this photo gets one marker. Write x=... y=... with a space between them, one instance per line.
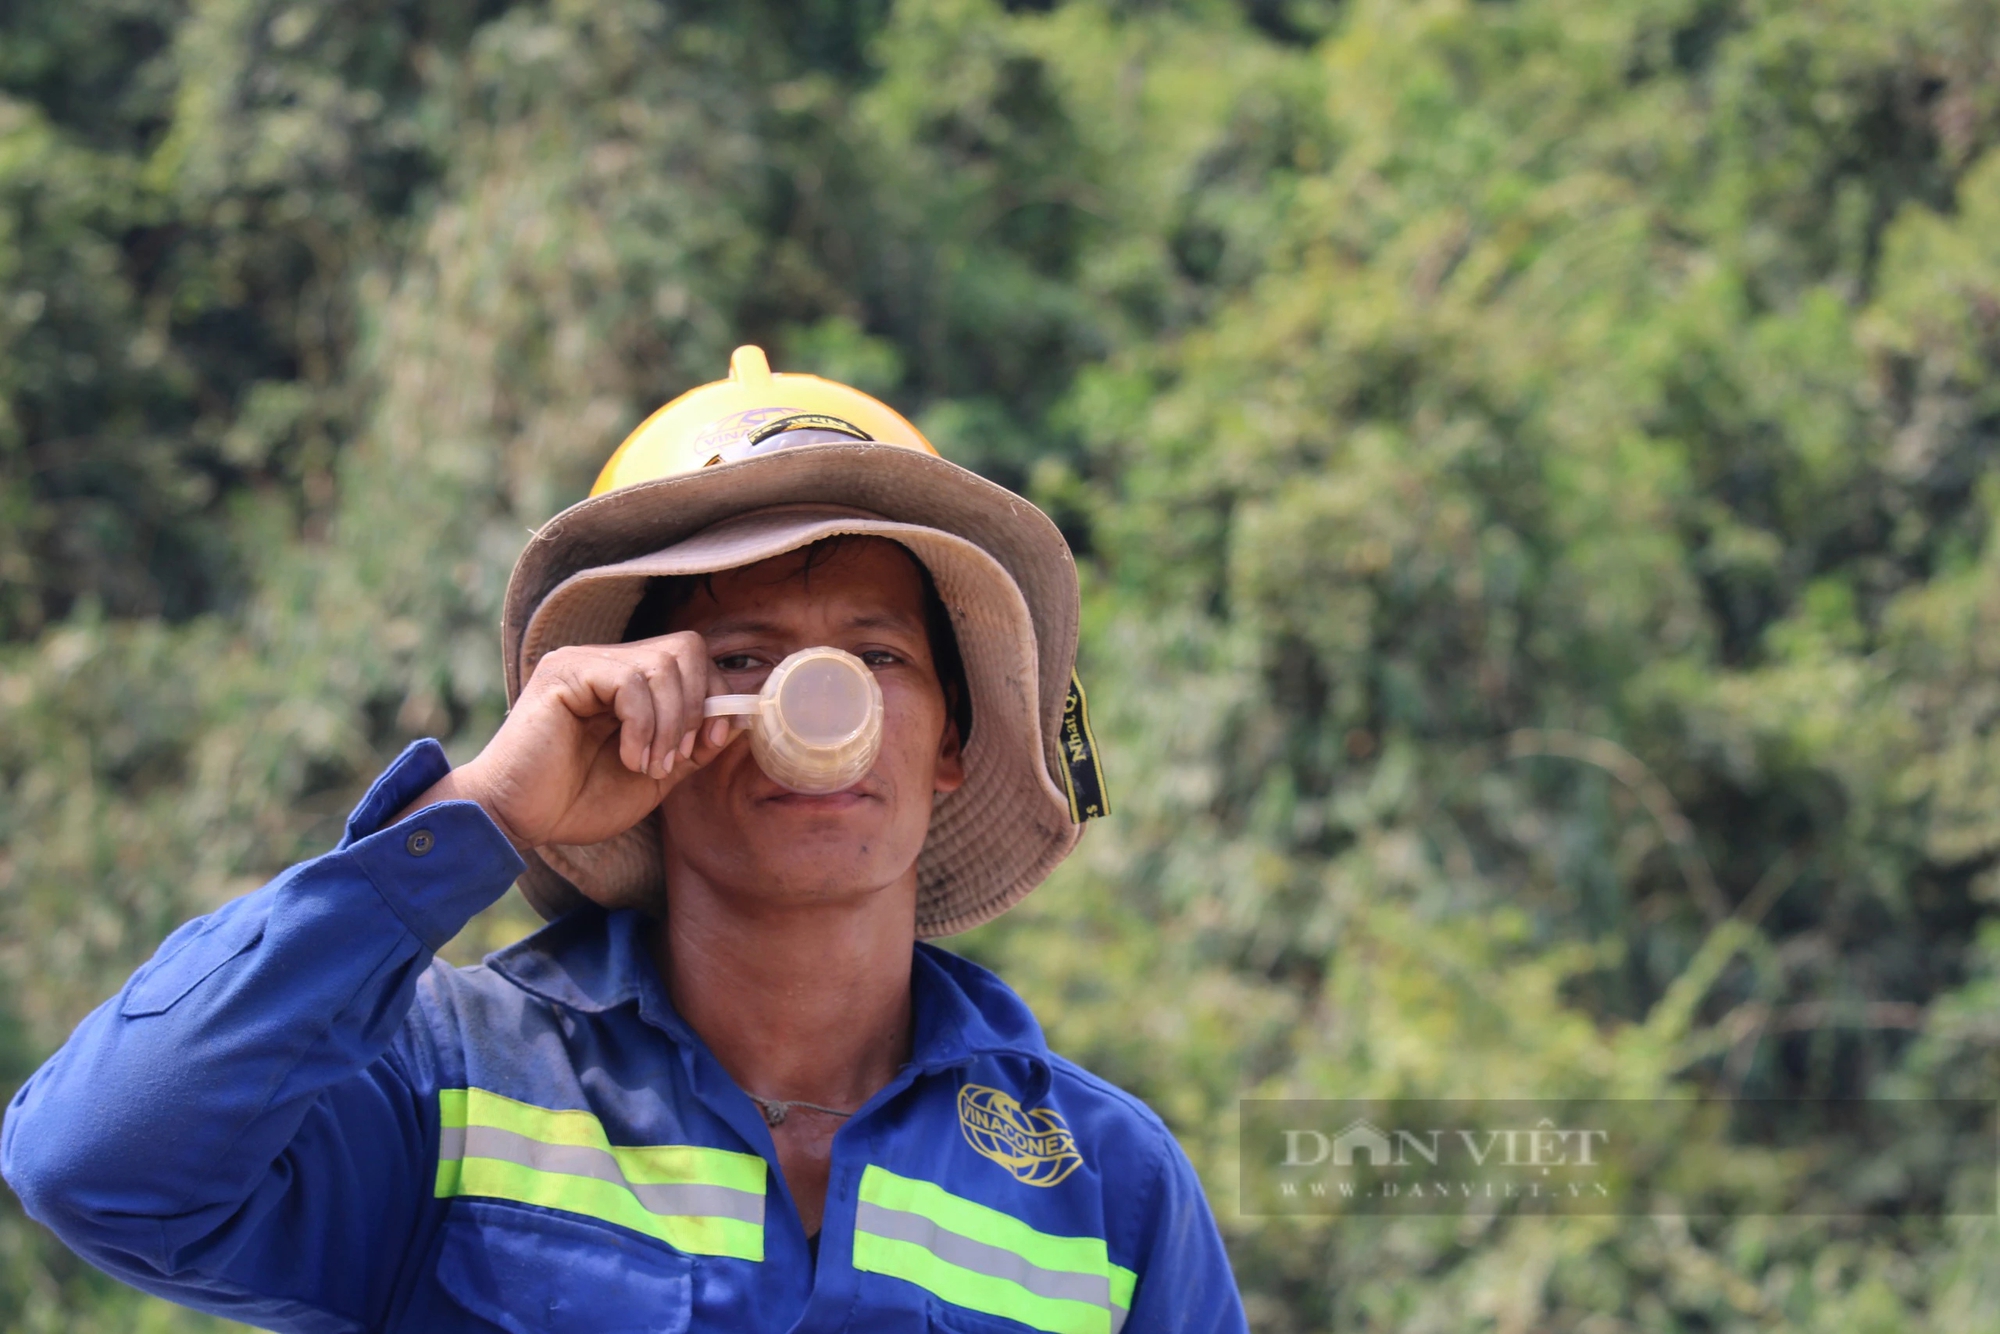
x=752 y=413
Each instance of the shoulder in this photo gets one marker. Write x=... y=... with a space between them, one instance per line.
x=1128 y=1139
x=448 y=992
x=1112 y=1110
x=578 y=966
x=469 y=1019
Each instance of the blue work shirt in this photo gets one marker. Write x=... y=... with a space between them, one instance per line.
x=297 y=1118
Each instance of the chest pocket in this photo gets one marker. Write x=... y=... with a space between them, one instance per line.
x=534 y=1273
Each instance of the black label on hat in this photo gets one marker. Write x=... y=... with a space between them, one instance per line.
x=1083 y=773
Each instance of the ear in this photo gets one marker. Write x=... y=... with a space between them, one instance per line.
x=950 y=773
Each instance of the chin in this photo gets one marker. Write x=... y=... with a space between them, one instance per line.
x=823 y=884
x=790 y=847
x=825 y=854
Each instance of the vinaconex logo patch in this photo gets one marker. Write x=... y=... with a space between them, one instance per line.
x=1033 y=1143
x=1687 y=1157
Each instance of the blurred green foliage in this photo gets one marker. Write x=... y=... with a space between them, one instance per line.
x=1533 y=463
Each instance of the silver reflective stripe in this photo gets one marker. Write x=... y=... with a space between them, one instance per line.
x=992 y=1261
x=684 y=1200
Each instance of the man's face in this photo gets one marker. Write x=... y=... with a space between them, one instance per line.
x=742 y=833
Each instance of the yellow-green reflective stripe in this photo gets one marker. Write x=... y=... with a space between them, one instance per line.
x=602 y=1200
x=974 y=1291
x=994 y=1266
x=1123 y=1284
x=652 y=1163
x=1079 y=1255
x=975 y=1256
x=704 y=1201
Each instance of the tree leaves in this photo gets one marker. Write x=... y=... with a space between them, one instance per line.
x=1519 y=454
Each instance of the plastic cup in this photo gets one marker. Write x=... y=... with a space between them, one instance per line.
x=816 y=726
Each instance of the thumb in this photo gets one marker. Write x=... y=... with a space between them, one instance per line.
x=716 y=735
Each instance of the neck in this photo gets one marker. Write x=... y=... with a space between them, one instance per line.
x=799 y=1002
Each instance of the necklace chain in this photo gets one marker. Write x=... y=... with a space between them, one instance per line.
x=777 y=1109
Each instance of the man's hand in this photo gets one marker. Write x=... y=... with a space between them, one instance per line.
x=600 y=734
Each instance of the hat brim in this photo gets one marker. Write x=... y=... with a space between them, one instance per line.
x=1001 y=567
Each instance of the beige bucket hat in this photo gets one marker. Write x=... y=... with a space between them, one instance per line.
x=1001 y=568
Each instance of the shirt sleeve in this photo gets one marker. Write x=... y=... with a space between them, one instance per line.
x=233 y=1130
x=1185 y=1284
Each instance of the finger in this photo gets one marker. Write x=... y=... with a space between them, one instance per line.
x=638 y=715
x=717 y=735
x=696 y=673
x=711 y=739
x=664 y=679
x=713 y=735
x=590 y=683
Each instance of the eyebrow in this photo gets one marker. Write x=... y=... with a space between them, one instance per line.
x=873 y=620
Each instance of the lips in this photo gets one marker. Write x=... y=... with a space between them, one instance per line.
x=830 y=801
x=868 y=789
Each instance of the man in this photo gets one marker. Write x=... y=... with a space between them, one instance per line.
x=726 y=1088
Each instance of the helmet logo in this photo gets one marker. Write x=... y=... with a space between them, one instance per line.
x=808 y=421
x=793 y=428
x=730 y=430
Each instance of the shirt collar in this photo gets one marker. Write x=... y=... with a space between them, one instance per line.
x=593 y=961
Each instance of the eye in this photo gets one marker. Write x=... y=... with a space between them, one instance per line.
x=878 y=657
x=737 y=662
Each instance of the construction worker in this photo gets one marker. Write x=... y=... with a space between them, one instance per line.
x=788 y=693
